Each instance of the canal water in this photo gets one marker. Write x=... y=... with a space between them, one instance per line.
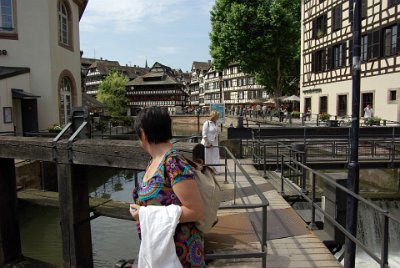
x=113 y=239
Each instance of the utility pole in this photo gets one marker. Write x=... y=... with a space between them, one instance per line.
x=354 y=167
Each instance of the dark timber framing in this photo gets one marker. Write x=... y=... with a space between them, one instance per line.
x=380 y=16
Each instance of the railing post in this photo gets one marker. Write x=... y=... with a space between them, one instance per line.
x=265 y=160
x=282 y=181
x=385 y=243
x=74 y=216
x=226 y=168
x=277 y=156
x=312 y=225
x=10 y=240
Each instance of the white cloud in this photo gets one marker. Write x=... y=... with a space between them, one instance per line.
x=128 y=15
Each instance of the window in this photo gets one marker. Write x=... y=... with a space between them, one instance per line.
x=8 y=19
x=336 y=56
x=337 y=18
x=366 y=99
x=392 y=95
x=374 y=45
x=364 y=47
x=342 y=105
x=64 y=23
x=65 y=100
x=318 y=61
x=6 y=11
x=319 y=26
x=390 y=40
x=364 y=8
x=323 y=104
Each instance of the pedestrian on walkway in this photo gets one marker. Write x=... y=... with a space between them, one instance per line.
x=210 y=142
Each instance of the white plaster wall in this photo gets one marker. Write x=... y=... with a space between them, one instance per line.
x=378 y=85
x=37 y=48
x=19 y=82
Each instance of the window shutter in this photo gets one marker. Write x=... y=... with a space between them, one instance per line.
x=351 y=53
x=333 y=20
x=377 y=44
x=344 y=51
x=313 y=59
x=398 y=38
x=351 y=11
x=314 y=29
x=324 y=25
x=330 y=58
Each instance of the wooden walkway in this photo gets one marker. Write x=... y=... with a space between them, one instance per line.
x=290 y=242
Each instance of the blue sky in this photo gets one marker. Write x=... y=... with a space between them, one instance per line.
x=172 y=32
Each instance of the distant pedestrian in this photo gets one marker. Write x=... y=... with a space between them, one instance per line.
x=368 y=111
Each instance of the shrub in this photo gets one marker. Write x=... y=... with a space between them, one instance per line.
x=55 y=128
x=373 y=121
x=324 y=116
x=296 y=114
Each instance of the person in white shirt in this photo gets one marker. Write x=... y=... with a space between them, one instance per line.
x=210 y=141
x=368 y=111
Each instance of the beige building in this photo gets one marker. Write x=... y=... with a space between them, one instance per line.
x=326 y=48
x=40 y=79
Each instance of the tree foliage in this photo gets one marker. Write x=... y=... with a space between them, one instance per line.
x=262 y=36
x=112 y=93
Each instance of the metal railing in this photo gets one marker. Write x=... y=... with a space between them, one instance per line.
x=263 y=204
x=294 y=161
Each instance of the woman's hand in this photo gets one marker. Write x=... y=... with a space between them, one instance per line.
x=134 y=211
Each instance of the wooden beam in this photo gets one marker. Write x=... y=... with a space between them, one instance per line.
x=10 y=240
x=74 y=216
x=109 y=153
x=33 y=148
x=99 y=206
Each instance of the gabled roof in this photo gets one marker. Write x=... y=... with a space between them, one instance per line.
x=201 y=66
x=6 y=72
x=159 y=74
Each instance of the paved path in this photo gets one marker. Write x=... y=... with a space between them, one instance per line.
x=289 y=242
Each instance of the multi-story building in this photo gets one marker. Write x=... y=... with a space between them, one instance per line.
x=240 y=89
x=326 y=49
x=159 y=87
x=199 y=70
x=40 y=77
x=99 y=69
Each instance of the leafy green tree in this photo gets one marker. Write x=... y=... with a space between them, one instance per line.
x=112 y=93
x=262 y=36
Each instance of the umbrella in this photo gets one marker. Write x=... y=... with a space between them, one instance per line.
x=269 y=101
x=292 y=98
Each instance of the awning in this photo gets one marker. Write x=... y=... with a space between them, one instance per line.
x=21 y=94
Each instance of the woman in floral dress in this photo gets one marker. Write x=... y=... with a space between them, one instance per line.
x=169 y=180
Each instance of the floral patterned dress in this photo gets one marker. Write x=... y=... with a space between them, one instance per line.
x=158 y=191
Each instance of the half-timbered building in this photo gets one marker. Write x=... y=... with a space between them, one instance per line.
x=240 y=88
x=199 y=70
x=326 y=48
x=159 y=87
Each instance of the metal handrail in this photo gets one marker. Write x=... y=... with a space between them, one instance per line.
x=263 y=205
x=383 y=259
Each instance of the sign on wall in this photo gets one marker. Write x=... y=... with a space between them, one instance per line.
x=220 y=108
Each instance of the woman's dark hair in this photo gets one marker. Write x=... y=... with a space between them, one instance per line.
x=156 y=124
